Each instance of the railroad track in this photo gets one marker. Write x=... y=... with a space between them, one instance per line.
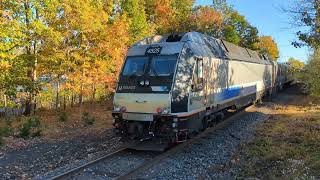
x=141 y=167
x=79 y=168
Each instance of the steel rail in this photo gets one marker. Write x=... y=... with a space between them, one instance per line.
x=77 y=169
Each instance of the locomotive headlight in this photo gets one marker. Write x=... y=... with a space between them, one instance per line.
x=164 y=110
x=119 y=108
x=174 y=125
x=116 y=108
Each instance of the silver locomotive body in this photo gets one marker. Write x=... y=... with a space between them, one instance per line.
x=173 y=86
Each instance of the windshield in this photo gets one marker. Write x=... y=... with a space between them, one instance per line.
x=163 y=65
x=159 y=66
x=135 y=66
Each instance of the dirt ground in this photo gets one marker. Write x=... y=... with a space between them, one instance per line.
x=60 y=143
x=53 y=129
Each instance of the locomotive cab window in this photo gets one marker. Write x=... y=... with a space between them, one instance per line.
x=135 y=66
x=197 y=84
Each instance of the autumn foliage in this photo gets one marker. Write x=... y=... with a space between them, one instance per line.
x=59 y=53
x=268 y=46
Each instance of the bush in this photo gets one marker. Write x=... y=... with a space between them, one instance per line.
x=87 y=119
x=30 y=128
x=6 y=131
x=63 y=116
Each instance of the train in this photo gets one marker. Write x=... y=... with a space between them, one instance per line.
x=172 y=87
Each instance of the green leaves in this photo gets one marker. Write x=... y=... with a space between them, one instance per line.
x=239 y=31
x=307 y=14
x=138 y=27
x=312 y=73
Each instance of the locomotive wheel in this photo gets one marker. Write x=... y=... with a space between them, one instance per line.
x=205 y=123
x=204 y=127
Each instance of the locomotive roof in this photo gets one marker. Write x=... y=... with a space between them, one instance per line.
x=219 y=48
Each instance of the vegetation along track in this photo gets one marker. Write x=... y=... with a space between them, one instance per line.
x=127 y=164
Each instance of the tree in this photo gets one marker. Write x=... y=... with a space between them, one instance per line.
x=230 y=34
x=295 y=64
x=135 y=11
x=267 y=45
x=306 y=13
x=182 y=10
x=29 y=19
x=168 y=16
x=207 y=20
x=238 y=31
x=312 y=73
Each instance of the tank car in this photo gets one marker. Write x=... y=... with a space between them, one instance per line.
x=171 y=87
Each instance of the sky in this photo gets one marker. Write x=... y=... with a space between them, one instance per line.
x=270 y=20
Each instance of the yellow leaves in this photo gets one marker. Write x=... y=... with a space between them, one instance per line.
x=85 y=15
x=4 y=66
x=296 y=64
x=268 y=46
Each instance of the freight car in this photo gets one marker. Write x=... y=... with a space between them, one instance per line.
x=174 y=86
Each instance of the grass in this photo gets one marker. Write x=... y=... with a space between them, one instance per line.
x=287 y=146
x=88 y=119
x=63 y=116
x=30 y=128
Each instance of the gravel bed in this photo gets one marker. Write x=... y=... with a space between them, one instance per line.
x=43 y=157
x=210 y=157
x=115 y=166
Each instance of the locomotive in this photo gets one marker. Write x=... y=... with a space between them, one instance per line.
x=174 y=86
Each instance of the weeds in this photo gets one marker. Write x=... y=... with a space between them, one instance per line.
x=5 y=131
x=31 y=128
x=286 y=147
x=63 y=116
x=87 y=119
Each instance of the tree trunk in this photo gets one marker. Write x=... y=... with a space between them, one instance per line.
x=57 y=94
x=72 y=99
x=28 y=103
x=93 y=92
x=64 y=101
x=27 y=110
x=34 y=78
x=81 y=94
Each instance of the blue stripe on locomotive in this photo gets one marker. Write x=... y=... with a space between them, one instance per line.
x=233 y=92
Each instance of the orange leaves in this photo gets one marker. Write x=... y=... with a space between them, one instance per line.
x=268 y=46
x=206 y=19
x=163 y=12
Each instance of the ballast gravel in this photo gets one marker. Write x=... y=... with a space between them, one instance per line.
x=40 y=159
x=115 y=166
x=210 y=157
